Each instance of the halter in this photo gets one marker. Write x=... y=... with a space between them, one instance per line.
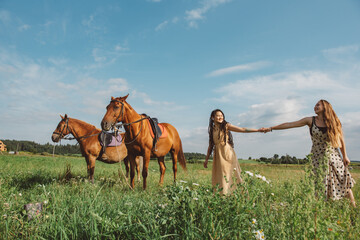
x=62 y=136
x=121 y=114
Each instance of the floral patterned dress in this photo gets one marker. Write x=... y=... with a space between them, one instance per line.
x=338 y=178
x=225 y=167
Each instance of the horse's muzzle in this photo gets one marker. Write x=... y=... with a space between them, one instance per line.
x=105 y=125
x=55 y=137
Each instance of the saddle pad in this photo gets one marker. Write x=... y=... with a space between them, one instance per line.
x=110 y=140
x=162 y=128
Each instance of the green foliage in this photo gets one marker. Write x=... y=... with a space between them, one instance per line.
x=32 y=147
x=189 y=209
x=287 y=159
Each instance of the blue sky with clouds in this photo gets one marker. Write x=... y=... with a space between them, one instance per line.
x=261 y=62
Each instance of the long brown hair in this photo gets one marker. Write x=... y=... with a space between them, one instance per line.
x=222 y=127
x=333 y=124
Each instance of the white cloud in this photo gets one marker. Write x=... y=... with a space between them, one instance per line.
x=346 y=55
x=24 y=27
x=120 y=48
x=315 y=83
x=5 y=16
x=194 y=15
x=98 y=57
x=343 y=50
x=161 y=25
x=238 y=68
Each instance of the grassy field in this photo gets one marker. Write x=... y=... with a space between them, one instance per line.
x=76 y=209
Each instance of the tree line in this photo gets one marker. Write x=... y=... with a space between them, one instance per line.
x=74 y=150
x=68 y=149
x=36 y=148
x=287 y=159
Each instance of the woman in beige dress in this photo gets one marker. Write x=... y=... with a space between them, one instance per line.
x=225 y=166
x=327 y=137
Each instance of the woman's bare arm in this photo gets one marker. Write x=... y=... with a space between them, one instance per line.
x=240 y=129
x=343 y=151
x=209 y=151
x=300 y=123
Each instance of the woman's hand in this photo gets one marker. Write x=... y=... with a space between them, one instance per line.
x=205 y=163
x=346 y=161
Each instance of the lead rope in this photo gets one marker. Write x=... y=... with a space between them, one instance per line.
x=122 y=172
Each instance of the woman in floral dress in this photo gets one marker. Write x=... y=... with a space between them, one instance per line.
x=225 y=166
x=327 y=137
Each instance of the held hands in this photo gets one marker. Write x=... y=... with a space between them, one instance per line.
x=265 y=130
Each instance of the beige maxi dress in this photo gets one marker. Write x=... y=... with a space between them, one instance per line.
x=225 y=167
x=338 y=179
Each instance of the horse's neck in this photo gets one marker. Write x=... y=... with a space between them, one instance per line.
x=131 y=117
x=79 y=128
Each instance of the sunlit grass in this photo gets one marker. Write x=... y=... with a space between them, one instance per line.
x=76 y=209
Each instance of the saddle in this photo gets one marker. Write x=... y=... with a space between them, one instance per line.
x=156 y=130
x=107 y=139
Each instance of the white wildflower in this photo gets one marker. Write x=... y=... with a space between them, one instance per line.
x=259 y=234
x=196 y=184
x=253 y=223
x=182 y=181
x=272 y=194
x=20 y=194
x=249 y=173
x=163 y=205
x=46 y=202
x=195 y=198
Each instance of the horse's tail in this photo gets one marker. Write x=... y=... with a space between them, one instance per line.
x=181 y=157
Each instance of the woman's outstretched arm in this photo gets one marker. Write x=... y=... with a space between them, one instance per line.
x=241 y=129
x=287 y=125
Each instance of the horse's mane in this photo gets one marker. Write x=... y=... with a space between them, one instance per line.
x=83 y=124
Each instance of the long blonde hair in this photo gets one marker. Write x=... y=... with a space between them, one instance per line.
x=333 y=124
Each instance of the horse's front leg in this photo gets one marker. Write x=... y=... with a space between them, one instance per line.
x=126 y=163
x=146 y=162
x=138 y=167
x=131 y=159
x=91 y=167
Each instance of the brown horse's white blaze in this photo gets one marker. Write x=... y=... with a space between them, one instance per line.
x=87 y=137
x=139 y=140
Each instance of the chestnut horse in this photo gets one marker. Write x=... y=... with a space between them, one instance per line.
x=87 y=136
x=139 y=140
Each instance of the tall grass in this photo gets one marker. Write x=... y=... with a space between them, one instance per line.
x=76 y=209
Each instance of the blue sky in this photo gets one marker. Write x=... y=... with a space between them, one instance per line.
x=261 y=62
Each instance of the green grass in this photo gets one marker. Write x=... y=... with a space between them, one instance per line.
x=108 y=209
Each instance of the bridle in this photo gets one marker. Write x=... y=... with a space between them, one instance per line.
x=121 y=114
x=66 y=126
x=61 y=133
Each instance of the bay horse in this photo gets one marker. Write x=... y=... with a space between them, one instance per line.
x=87 y=136
x=139 y=140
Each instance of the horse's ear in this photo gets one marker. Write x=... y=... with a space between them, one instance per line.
x=66 y=116
x=112 y=98
x=61 y=116
x=125 y=97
